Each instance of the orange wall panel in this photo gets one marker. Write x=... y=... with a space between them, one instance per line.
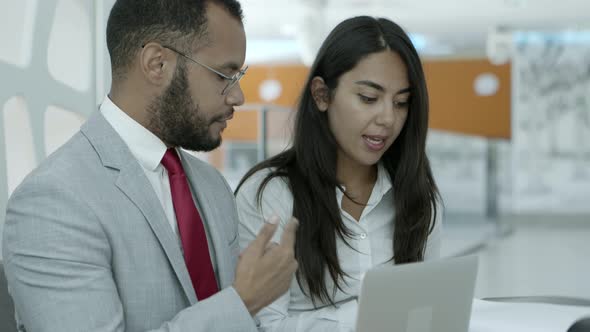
x=454 y=105
x=243 y=127
x=291 y=77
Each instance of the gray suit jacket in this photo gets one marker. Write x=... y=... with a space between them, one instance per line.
x=87 y=246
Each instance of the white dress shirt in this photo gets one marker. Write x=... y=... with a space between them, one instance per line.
x=371 y=246
x=149 y=150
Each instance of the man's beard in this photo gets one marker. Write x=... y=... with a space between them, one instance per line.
x=176 y=119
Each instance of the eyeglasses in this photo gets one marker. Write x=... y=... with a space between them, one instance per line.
x=231 y=81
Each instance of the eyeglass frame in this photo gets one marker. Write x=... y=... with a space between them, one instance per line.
x=232 y=80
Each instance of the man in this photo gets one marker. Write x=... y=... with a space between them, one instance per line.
x=120 y=230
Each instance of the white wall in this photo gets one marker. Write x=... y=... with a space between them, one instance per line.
x=47 y=81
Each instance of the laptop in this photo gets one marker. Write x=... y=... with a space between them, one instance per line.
x=433 y=296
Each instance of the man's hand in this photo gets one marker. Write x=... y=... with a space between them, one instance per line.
x=265 y=270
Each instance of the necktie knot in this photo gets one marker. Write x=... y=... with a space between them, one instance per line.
x=171 y=162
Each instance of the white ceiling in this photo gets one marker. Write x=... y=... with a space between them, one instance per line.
x=448 y=27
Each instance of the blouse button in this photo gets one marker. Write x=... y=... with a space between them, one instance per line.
x=363 y=236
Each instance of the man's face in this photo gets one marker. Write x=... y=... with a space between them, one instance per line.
x=191 y=112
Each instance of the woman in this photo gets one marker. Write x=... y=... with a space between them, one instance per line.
x=356 y=177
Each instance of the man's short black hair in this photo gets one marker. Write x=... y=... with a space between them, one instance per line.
x=133 y=23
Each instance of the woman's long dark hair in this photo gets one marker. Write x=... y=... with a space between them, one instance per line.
x=309 y=166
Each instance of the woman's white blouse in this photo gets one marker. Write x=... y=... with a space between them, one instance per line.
x=371 y=246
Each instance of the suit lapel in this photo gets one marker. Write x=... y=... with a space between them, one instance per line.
x=135 y=185
x=208 y=209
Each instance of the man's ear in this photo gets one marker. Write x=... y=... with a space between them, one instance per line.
x=320 y=93
x=154 y=63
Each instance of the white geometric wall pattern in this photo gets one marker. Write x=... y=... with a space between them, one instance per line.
x=60 y=125
x=20 y=151
x=50 y=65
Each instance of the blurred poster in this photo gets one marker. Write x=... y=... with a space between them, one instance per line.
x=551 y=123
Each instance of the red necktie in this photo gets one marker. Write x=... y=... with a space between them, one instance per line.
x=190 y=226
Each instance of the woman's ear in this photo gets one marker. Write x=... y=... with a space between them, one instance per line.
x=320 y=93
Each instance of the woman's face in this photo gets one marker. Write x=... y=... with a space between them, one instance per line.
x=368 y=108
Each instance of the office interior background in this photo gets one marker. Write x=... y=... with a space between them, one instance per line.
x=509 y=143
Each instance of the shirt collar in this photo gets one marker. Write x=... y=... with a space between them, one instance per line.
x=146 y=147
x=383 y=183
x=382 y=186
